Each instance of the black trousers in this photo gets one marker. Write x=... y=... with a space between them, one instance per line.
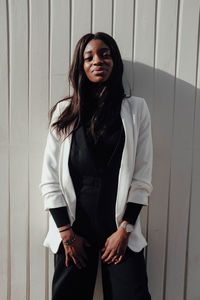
x=126 y=280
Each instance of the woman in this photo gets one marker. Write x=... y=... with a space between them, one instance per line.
x=96 y=177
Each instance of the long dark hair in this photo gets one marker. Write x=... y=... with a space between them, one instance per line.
x=105 y=105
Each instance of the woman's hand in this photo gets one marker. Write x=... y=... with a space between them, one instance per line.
x=115 y=246
x=76 y=250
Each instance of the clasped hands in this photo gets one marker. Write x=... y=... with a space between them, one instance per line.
x=114 y=249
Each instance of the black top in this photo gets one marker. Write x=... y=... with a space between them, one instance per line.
x=101 y=151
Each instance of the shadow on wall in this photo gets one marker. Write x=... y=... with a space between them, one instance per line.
x=172 y=220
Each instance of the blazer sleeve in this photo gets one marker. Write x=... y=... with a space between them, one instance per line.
x=49 y=185
x=141 y=186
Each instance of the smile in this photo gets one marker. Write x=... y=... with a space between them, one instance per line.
x=98 y=72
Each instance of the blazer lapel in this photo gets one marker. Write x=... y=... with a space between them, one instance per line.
x=125 y=171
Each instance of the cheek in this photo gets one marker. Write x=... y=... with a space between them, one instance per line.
x=86 y=68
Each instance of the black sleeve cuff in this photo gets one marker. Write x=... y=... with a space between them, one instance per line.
x=132 y=211
x=60 y=216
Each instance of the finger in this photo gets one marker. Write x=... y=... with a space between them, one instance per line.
x=106 y=253
x=106 y=243
x=105 y=246
x=76 y=262
x=116 y=257
x=118 y=261
x=110 y=256
x=66 y=260
x=83 y=255
x=82 y=262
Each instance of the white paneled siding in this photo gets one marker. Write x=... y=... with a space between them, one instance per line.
x=38 y=105
x=159 y=44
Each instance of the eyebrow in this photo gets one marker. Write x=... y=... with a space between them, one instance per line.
x=100 y=50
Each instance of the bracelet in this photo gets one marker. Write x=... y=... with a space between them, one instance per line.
x=66 y=229
x=70 y=241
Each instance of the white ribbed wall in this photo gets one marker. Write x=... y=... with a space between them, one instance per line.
x=159 y=43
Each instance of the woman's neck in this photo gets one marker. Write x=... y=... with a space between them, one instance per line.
x=94 y=89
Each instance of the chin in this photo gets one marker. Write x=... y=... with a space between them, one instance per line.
x=99 y=79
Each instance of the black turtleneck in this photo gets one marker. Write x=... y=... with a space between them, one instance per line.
x=102 y=151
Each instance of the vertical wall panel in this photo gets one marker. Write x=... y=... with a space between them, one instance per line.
x=38 y=107
x=60 y=49
x=144 y=35
x=18 y=146
x=81 y=16
x=193 y=259
x=162 y=127
x=4 y=155
x=159 y=44
x=102 y=16
x=123 y=33
x=181 y=164
x=143 y=64
x=81 y=20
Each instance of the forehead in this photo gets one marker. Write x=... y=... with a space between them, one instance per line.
x=95 y=45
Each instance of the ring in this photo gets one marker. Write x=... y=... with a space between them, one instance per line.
x=116 y=259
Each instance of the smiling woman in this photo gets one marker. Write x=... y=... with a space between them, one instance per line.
x=96 y=178
x=98 y=63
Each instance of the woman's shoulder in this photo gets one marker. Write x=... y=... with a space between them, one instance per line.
x=62 y=104
x=137 y=104
x=59 y=107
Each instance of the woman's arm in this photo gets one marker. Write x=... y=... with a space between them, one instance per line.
x=53 y=197
x=141 y=186
x=60 y=216
x=131 y=213
x=49 y=185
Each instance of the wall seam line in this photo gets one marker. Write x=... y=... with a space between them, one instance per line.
x=28 y=158
x=9 y=155
x=172 y=138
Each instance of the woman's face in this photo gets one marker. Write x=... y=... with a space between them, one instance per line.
x=98 y=63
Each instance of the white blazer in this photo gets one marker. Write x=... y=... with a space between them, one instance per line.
x=134 y=181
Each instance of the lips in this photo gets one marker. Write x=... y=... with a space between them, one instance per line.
x=98 y=71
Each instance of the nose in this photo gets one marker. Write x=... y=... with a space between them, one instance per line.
x=97 y=60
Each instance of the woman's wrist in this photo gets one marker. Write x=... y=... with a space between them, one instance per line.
x=123 y=230
x=66 y=232
x=67 y=235
x=64 y=227
x=70 y=241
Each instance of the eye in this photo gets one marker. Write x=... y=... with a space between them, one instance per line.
x=105 y=55
x=88 y=58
